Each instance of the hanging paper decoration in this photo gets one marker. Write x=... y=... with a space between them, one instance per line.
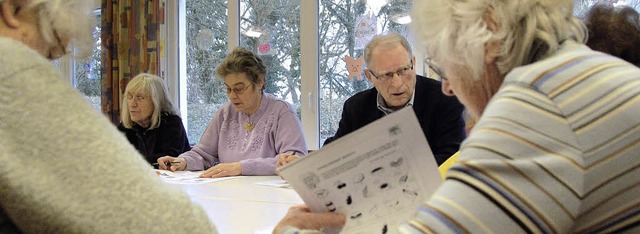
x=264 y=44
x=365 y=29
x=204 y=39
x=355 y=66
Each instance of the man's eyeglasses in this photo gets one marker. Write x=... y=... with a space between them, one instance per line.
x=61 y=47
x=237 y=91
x=402 y=72
x=435 y=68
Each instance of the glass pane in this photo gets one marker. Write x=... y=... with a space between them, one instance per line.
x=206 y=46
x=271 y=29
x=345 y=27
x=87 y=71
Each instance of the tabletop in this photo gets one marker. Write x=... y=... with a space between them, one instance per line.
x=240 y=205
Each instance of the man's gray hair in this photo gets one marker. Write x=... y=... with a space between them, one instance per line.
x=454 y=32
x=386 y=40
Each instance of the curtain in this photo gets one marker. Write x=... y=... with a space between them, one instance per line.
x=131 y=44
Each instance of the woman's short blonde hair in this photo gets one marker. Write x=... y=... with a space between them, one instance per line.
x=69 y=19
x=454 y=32
x=153 y=87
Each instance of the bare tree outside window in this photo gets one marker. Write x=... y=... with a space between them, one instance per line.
x=278 y=43
x=206 y=35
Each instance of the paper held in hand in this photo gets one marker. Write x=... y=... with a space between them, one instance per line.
x=376 y=176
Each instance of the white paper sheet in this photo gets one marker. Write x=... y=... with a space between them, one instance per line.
x=275 y=183
x=376 y=176
x=187 y=177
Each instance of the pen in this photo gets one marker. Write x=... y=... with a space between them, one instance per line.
x=165 y=163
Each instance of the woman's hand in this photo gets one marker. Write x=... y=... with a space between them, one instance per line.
x=286 y=158
x=172 y=163
x=302 y=218
x=223 y=170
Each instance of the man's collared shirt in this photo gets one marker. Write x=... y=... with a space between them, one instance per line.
x=382 y=105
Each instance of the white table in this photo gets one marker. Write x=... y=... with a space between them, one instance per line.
x=240 y=206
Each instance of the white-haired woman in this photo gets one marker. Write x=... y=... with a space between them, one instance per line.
x=150 y=121
x=64 y=168
x=555 y=148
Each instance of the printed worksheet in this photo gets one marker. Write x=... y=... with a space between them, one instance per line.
x=377 y=176
x=187 y=177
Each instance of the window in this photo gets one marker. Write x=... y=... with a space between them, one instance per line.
x=206 y=46
x=271 y=29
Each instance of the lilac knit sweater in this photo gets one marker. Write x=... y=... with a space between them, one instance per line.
x=277 y=130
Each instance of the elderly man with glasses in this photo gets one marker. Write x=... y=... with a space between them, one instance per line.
x=391 y=66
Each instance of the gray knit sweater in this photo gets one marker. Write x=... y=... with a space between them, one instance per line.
x=65 y=168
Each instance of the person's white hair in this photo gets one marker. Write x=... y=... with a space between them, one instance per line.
x=454 y=32
x=71 y=19
x=153 y=86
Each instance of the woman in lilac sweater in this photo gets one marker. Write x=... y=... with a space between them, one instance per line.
x=247 y=133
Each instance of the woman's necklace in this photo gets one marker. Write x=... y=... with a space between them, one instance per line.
x=250 y=125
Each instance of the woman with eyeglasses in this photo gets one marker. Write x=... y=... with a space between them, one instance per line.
x=247 y=133
x=150 y=121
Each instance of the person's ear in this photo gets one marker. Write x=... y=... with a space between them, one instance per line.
x=491 y=51
x=367 y=73
x=261 y=82
x=491 y=48
x=8 y=12
x=491 y=20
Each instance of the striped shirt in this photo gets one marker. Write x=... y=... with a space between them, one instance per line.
x=557 y=150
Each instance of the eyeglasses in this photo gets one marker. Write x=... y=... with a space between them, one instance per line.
x=237 y=91
x=402 y=72
x=138 y=98
x=435 y=68
x=61 y=48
